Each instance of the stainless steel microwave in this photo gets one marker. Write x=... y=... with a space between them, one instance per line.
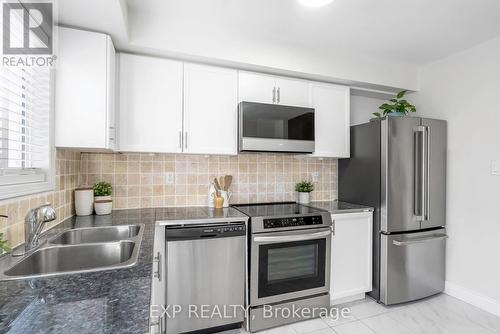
x=275 y=128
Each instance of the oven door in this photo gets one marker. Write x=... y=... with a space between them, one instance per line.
x=288 y=265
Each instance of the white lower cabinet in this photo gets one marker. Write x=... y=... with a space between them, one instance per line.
x=351 y=267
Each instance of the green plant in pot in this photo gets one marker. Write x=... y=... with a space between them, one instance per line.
x=4 y=247
x=304 y=189
x=103 y=204
x=398 y=106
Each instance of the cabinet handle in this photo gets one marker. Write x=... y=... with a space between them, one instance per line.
x=180 y=140
x=279 y=94
x=156 y=326
x=112 y=137
x=157 y=272
x=186 y=140
x=274 y=94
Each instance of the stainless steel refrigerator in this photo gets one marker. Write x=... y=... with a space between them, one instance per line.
x=398 y=166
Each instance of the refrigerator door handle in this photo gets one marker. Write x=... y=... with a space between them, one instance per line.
x=427 y=198
x=434 y=237
x=419 y=179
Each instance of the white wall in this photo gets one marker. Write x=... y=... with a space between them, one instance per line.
x=362 y=108
x=464 y=89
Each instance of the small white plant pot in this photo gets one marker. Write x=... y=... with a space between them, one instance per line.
x=304 y=198
x=84 y=201
x=102 y=198
x=103 y=207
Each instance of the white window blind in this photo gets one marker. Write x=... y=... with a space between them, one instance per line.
x=25 y=128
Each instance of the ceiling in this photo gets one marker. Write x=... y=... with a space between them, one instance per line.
x=401 y=33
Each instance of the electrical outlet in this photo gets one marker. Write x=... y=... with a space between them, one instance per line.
x=169 y=178
x=315 y=176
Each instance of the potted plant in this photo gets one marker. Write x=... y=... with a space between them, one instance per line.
x=304 y=189
x=103 y=204
x=398 y=107
x=4 y=247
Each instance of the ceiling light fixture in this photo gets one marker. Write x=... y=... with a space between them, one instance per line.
x=315 y=3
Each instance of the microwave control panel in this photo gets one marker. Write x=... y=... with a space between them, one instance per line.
x=292 y=222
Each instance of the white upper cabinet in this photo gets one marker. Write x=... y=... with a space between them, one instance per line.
x=85 y=90
x=293 y=92
x=263 y=88
x=210 y=109
x=150 y=115
x=331 y=120
x=351 y=269
x=255 y=87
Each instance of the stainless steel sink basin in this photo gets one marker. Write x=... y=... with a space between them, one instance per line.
x=54 y=260
x=96 y=234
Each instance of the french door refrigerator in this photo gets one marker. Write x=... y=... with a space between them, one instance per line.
x=398 y=166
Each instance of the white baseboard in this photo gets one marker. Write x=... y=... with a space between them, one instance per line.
x=472 y=297
x=347 y=299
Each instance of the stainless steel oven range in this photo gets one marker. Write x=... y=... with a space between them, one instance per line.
x=289 y=261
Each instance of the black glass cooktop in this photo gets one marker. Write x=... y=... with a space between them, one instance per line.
x=275 y=209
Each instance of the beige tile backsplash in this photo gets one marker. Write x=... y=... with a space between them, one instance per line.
x=139 y=179
x=62 y=198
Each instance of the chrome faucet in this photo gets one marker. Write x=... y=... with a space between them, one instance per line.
x=33 y=224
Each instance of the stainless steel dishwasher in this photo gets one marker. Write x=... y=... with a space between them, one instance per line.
x=205 y=277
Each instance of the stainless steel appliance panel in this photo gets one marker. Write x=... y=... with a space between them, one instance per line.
x=315 y=305
x=435 y=197
x=412 y=266
x=300 y=259
x=398 y=178
x=205 y=272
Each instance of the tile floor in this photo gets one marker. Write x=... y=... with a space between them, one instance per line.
x=440 y=314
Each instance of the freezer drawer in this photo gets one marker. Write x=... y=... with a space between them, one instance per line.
x=412 y=265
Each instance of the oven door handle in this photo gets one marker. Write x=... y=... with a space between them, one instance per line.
x=289 y=238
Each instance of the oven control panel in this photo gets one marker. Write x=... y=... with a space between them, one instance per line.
x=292 y=221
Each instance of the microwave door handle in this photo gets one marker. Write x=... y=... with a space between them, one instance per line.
x=290 y=238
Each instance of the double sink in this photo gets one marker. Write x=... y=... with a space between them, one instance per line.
x=80 y=250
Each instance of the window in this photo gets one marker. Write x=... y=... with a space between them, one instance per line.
x=26 y=153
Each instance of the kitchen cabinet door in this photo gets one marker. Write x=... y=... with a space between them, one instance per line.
x=150 y=118
x=256 y=87
x=293 y=92
x=331 y=104
x=210 y=109
x=351 y=269
x=84 y=90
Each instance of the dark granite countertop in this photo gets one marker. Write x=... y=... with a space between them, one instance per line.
x=112 y=301
x=338 y=207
